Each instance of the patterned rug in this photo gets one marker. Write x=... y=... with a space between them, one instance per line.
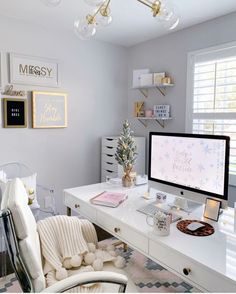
x=148 y=276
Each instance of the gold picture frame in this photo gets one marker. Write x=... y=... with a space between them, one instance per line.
x=49 y=110
x=15 y=113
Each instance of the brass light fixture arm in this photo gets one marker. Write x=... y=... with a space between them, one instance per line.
x=155 y=6
x=102 y=9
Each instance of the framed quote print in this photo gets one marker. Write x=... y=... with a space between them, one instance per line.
x=49 y=110
x=31 y=70
x=15 y=113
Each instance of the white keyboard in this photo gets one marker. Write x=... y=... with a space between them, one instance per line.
x=151 y=209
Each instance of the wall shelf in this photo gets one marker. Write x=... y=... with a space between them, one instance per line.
x=160 y=87
x=13 y=97
x=161 y=121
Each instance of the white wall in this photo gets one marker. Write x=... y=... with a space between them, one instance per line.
x=169 y=53
x=95 y=76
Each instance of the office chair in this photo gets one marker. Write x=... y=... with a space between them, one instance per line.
x=23 y=244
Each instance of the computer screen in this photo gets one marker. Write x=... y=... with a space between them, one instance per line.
x=197 y=163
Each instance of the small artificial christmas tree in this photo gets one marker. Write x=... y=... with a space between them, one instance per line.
x=126 y=154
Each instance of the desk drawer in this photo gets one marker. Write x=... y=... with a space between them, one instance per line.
x=121 y=230
x=111 y=142
x=80 y=207
x=108 y=150
x=109 y=158
x=198 y=274
x=110 y=166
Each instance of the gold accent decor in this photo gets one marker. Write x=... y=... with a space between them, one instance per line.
x=52 y=113
x=158 y=9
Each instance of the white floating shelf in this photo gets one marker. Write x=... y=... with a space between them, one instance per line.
x=13 y=97
x=154 y=86
x=160 y=121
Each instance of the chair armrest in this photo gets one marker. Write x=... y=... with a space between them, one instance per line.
x=87 y=278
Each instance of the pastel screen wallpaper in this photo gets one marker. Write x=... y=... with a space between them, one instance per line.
x=198 y=163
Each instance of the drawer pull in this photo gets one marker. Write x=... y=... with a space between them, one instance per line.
x=116 y=230
x=77 y=206
x=186 y=271
x=109 y=139
x=109 y=171
x=109 y=155
x=109 y=147
x=109 y=163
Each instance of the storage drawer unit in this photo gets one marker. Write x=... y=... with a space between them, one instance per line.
x=110 y=167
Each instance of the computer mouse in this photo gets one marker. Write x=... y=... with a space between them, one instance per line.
x=195 y=226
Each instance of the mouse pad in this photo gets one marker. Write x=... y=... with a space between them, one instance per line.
x=207 y=230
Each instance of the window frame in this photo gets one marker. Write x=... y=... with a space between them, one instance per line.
x=213 y=52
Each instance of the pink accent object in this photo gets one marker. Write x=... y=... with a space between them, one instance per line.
x=110 y=199
x=148 y=113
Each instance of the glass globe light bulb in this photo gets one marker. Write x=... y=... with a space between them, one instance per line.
x=102 y=20
x=94 y=2
x=168 y=15
x=51 y=3
x=84 y=30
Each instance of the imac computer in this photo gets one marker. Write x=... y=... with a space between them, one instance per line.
x=191 y=166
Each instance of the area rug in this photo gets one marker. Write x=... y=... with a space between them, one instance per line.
x=148 y=276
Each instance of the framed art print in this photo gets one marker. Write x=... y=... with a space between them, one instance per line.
x=49 y=110
x=15 y=113
x=212 y=209
x=30 y=70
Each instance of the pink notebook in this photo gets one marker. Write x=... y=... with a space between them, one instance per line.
x=110 y=199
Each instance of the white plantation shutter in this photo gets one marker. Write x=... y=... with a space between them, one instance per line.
x=211 y=96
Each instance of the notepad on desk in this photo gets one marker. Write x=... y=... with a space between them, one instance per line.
x=110 y=199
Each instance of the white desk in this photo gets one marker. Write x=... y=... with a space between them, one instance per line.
x=212 y=259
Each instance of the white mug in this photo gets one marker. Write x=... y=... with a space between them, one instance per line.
x=160 y=223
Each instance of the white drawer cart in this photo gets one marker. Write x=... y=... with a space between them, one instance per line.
x=109 y=166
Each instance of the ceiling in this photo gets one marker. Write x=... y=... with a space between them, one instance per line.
x=132 y=21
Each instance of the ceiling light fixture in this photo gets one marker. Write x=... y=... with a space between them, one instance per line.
x=86 y=28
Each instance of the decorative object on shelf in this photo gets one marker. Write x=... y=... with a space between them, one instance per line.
x=148 y=113
x=166 y=81
x=29 y=70
x=161 y=223
x=158 y=78
x=126 y=154
x=15 y=113
x=86 y=28
x=138 y=108
x=161 y=111
x=49 y=110
x=143 y=80
x=212 y=209
x=136 y=76
x=10 y=92
x=146 y=80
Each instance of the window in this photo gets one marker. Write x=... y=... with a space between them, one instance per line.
x=211 y=96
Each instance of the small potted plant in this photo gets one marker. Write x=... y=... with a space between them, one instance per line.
x=126 y=154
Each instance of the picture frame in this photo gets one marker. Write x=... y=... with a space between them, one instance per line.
x=31 y=70
x=212 y=209
x=15 y=113
x=49 y=110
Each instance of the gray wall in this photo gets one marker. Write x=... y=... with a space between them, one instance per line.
x=169 y=54
x=95 y=76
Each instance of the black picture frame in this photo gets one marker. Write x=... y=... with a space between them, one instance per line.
x=211 y=212
x=15 y=113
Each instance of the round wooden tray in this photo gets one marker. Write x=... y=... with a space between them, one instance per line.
x=201 y=232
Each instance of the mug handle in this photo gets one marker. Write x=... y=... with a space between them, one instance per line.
x=147 y=218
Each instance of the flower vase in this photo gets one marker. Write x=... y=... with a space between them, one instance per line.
x=127 y=179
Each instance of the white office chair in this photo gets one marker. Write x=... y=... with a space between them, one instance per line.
x=23 y=246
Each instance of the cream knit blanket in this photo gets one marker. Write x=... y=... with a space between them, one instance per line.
x=61 y=237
